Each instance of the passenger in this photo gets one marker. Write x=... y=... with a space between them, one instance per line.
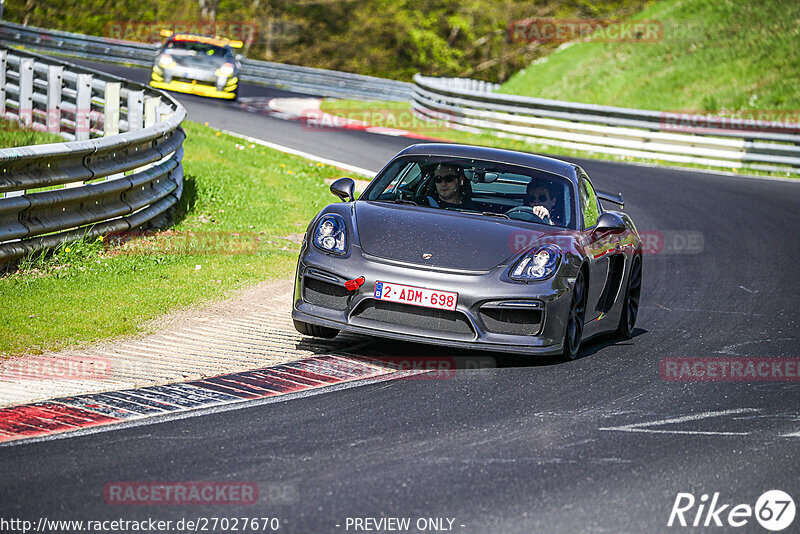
x=539 y=196
x=452 y=190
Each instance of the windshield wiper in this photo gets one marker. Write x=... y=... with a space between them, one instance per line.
x=492 y=214
x=489 y=213
x=399 y=201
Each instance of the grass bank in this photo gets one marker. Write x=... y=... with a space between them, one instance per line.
x=243 y=210
x=12 y=134
x=727 y=57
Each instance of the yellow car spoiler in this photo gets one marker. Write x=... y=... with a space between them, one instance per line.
x=216 y=40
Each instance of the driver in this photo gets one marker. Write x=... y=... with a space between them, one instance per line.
x=451 y=191
x=539 y=196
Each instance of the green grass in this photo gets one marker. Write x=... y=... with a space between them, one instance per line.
x=12 y=134
x=399 y=115
x=721 y=56
x=239 y=201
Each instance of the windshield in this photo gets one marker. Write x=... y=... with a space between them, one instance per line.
x=196 y=52
x=485 y=187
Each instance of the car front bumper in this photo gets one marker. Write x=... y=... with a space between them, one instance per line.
x=195 y=88
x=469 y=327
x=194 y=81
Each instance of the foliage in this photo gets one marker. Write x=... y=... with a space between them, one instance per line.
x=389 y=38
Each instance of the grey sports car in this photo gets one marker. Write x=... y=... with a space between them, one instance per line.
x=471 y=247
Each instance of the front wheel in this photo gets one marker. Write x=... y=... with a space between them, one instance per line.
x=577 y=312
x=630 y=306
x=315 y=330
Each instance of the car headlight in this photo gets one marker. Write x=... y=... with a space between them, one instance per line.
x=225 y=70
x=538 y=264
x=331 y=234
x=166 y=61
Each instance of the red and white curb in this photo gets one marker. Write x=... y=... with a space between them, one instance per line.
x=70 y=414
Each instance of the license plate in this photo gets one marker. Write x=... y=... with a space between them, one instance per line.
x=416 y=296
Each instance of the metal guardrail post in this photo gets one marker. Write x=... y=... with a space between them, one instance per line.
x=151 y=104
x=83 y=107
x=111 y=109
x=83 y=104
x=26 y=91
x=111 y=106
x=55 y=79
x=135 y=110
x=3 y=61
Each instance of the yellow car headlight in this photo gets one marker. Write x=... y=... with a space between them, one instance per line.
x=225 y=70
x=166 y=61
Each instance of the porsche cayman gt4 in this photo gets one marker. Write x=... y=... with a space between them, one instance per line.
x=471 y=247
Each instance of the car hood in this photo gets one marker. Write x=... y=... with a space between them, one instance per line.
x=454 y=240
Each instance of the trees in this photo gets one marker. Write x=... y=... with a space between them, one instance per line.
x=390 y=38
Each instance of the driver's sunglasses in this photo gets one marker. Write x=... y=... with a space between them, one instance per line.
x=540 y=198
x=439 y=178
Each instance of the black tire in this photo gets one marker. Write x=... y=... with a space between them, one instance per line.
x=630 y=306
x=315 y=330
x=575 y=319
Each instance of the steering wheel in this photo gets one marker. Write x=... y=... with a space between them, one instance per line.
x=525 y=213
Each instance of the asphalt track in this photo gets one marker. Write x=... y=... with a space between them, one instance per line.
x=601 y=444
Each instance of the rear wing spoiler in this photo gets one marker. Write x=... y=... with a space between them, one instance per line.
x=217 y=40
x=608 y=197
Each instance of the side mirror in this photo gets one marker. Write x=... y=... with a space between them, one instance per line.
x=610 y=222
x=344 y=189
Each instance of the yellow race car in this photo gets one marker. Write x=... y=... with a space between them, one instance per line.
x=197 y=64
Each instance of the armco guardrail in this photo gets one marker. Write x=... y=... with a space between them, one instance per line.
x=304 y=79
x=121 y=169
x=469 y=104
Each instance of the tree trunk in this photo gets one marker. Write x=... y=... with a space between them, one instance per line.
x=30 y=5
x=208 y=9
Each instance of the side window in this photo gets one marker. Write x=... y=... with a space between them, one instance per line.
x=589 y=206
x=405 y=179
